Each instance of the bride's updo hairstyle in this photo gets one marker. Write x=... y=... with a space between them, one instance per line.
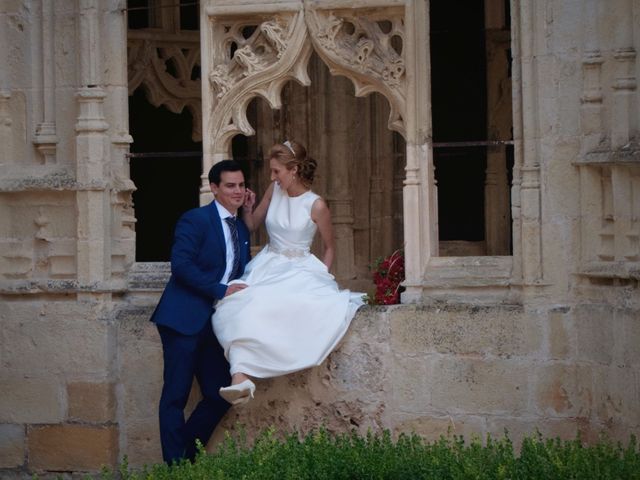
x=291 y=154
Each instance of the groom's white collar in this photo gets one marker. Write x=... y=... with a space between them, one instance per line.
x=224 y=213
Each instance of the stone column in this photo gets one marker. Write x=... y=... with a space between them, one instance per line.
x=527 y=18
x=45 y=135
x=420 y=195
x=6 y=131
x=117 y=111
x=92 y=168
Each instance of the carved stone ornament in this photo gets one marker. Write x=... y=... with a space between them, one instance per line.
x=366 y=50
x=256 y=55
x=253 y=57
x=170 y=76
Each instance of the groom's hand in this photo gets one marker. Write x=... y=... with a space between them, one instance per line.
x=236 y=287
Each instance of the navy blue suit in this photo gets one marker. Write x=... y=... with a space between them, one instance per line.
x=183 y=317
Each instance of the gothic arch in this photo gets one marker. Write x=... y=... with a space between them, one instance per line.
x=168 y=74
x=257 y=54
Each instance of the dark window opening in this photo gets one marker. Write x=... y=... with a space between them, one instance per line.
x=138 y=14
x=465 y=125
x=189 y=15
x=168 y=182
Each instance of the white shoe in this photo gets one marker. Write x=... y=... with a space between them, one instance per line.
x=239 y=393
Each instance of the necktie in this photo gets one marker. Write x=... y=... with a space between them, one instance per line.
x=233 y=228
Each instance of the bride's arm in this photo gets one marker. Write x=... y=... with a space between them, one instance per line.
x=321 y=215
x=254 y=218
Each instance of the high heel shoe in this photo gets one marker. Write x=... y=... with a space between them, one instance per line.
x=239 y=393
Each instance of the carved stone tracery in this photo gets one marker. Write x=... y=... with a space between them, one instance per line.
x=358 y=47
x=170 y=75
x=248 y=60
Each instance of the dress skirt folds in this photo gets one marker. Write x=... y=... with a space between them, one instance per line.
x=292 y=314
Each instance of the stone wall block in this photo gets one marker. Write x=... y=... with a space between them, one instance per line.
x=361 y=368
x=563 y=391
x=412 y=380
x=139 y=351
x=56 y=343
x=91 y=402
x=66 y=68
x=628 y=322
x=595 y=333
x=72 y=447
x=143 y=442
x=501 y=331
x=12 y=443
x=616 y=396
x=31 y=400
x=476 y=386
x=362 y=360
x=140 y=367
x=560 y=335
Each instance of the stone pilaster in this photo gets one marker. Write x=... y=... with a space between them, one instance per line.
x=526 y=203
x=92 y=157
x=419 y=192
x=45 y=138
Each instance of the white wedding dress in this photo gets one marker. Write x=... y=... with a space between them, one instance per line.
x=292 y=314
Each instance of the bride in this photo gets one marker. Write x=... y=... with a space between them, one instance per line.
x=292 y=313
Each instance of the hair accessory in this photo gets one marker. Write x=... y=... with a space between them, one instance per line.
x=288 y=145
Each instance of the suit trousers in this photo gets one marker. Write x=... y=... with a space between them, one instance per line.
x=186 y=357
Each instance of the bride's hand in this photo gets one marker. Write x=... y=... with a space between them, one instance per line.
x=249 y=200
x=235 y=287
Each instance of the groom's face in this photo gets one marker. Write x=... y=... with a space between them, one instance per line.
x=231 y=190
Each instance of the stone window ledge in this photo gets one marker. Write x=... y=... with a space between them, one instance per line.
x=466 y=272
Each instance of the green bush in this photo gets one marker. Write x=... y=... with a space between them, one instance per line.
x=321 y=455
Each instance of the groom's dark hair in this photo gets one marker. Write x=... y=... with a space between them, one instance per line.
x=223 y=166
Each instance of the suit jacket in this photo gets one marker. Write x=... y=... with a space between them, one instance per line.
x=198 y=262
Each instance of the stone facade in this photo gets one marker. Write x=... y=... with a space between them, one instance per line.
x=545 y=338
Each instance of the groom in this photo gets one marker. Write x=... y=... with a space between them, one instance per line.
x=210 y=248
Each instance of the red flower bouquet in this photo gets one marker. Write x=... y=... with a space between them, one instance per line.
x=388 y=273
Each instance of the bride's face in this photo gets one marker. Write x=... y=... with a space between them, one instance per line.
x=280 y=174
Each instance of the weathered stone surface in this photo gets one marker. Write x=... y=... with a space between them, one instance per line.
x=629 y=338
x=560 y=338
x=91 y=402
x=142 y=445
x=31 y=400
x=595 y=326
x=616 y=396
x=563 y=390
x=477 y=386
x=55 y=338
x=498 y=330
x=12 y=445
x=72 y=447
x=413 y=384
